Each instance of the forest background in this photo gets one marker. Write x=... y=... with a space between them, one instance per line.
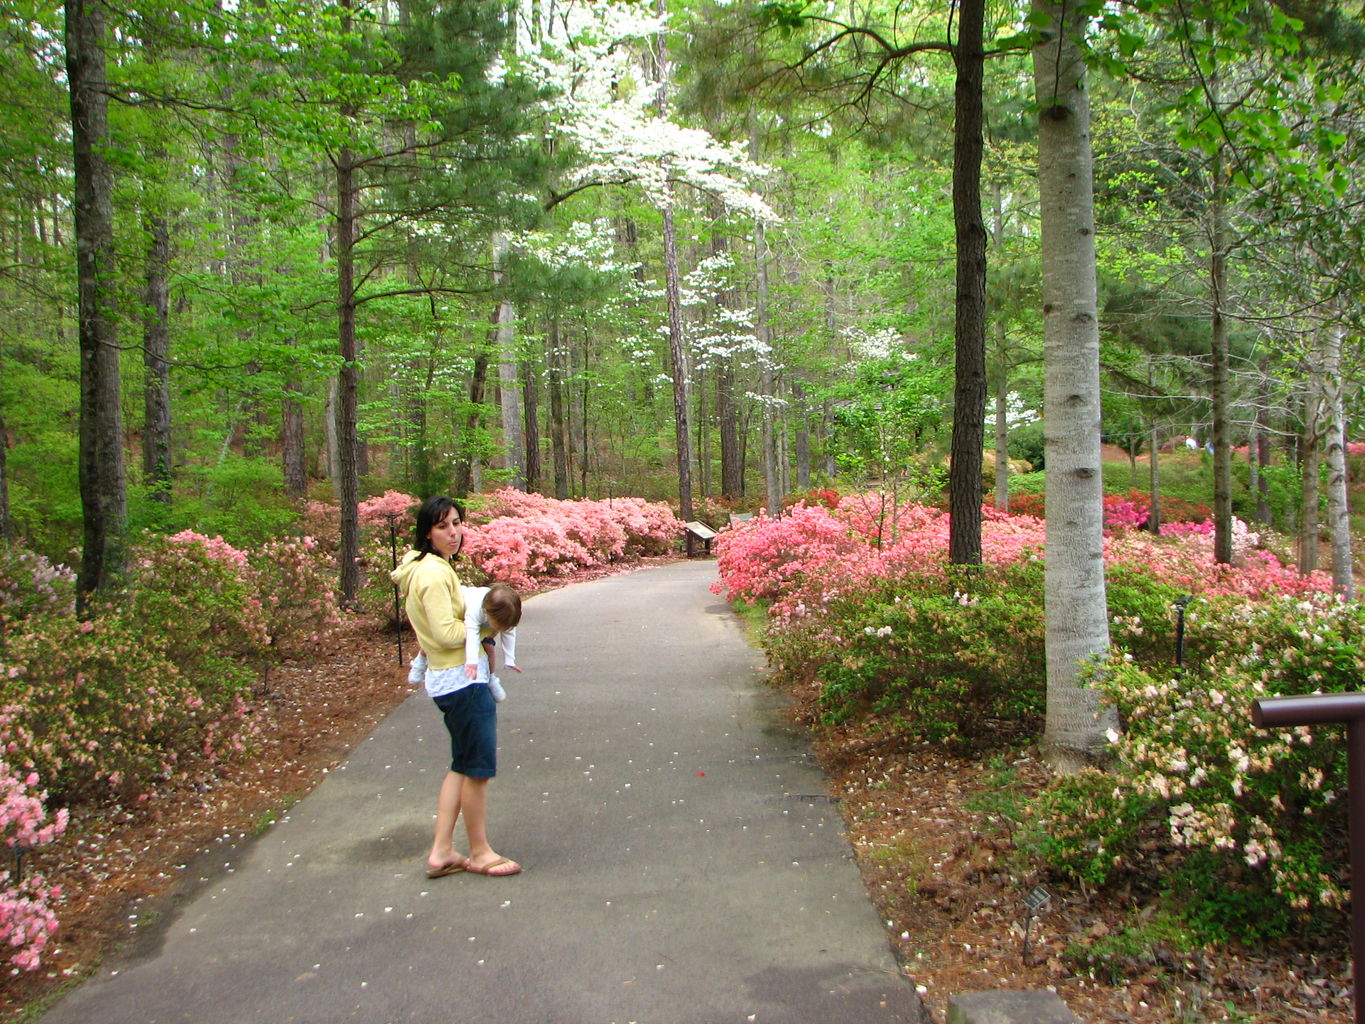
x=266 y=263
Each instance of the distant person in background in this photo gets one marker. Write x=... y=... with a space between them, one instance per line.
x=427 y=581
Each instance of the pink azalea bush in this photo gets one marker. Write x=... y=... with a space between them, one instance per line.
x=293 y=582
x=392 y=506
x=517 y=537
x=26 y=915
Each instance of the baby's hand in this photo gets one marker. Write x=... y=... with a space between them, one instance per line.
x=471 y=671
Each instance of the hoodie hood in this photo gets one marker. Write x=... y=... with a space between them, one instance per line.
x=402 y=576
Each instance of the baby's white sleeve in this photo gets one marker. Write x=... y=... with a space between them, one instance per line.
x=473 y=614
x=509 y=647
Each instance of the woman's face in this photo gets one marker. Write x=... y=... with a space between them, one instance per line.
x=447 y=536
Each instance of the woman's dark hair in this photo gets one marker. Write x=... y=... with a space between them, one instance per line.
x=433 y=510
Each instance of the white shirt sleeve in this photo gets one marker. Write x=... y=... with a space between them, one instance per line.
x=473 y=620
x=508 y=640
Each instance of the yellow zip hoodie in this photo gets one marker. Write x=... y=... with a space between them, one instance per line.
x=431 y=592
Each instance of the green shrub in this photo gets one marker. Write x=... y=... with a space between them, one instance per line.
x=950 y=660
x=240 y=499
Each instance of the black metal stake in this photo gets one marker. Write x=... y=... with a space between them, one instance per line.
x=1181 y=604
x=1035 y=901
x=397 y=618
x=1332 y=709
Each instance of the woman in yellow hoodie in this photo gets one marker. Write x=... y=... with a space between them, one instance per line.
x=427 y=581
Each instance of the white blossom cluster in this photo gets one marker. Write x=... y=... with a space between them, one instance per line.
x=605 y=109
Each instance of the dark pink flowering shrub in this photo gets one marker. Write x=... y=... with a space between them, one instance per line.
x=1129 y=512
x=26 y=915
x=391 y=505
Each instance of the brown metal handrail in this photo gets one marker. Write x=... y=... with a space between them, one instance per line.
x=1332 y=709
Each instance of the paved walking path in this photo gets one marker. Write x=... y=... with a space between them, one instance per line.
x=683 y=863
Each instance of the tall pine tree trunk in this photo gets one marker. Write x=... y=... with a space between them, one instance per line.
x=1077 y=625
x=103 y=481
x=802 y=454
x=348 y=483
x=969 y=388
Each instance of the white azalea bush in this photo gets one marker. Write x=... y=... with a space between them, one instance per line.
x=1246 y=826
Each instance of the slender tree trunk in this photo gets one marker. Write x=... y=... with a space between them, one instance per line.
x=727 y=414
x=348 y=484
x=6 y=524
x=156 y=343
x=1260 y=453
x=969 y=388
x=676 y=341
x=467 y=465
x=1002 y=437
x=559 y=434
x=291 y=439
x=1077 y=624
x=103 y=480
x=333 y=439
x=727 y=418
x=513 y=441
x=1154 y=483
x=802 y=459
x=1218 y=390
x=530 y=398
x=1310 y=459
x=1334 y=443
x=771 y=478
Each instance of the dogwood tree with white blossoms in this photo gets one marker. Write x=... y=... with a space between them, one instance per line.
x=605 y=110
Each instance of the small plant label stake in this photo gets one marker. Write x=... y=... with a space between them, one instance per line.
x=1036 y=900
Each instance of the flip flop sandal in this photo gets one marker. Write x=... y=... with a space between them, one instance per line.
x=508 y=867
x=453 y=868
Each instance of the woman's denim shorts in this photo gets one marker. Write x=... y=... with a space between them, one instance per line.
x=471 y=718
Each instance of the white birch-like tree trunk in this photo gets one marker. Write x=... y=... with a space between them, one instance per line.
x=1077 y=625
x=1334 y=450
